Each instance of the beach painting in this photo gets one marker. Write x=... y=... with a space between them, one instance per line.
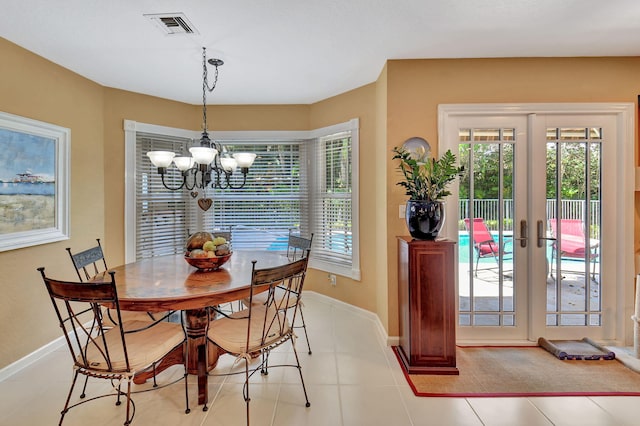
x=33 y=182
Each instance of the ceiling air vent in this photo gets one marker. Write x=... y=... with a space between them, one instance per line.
x=172 y=23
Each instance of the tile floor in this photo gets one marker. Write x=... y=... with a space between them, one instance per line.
x=352 y=380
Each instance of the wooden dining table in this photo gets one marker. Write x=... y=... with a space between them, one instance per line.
x=165 y=283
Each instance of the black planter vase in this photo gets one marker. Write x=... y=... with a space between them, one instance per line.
x=424 y=218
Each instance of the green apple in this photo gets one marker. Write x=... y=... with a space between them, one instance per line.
x=209 y=246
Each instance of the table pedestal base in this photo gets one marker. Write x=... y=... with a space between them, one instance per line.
x=201 y=357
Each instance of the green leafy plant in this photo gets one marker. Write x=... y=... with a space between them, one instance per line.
x=426 y=178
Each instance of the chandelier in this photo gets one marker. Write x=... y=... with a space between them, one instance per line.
x=210 y=164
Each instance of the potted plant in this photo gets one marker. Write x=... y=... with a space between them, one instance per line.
x=426 y=181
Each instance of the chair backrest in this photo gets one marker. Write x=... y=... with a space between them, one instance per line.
x=573 y=227
x=93 y=345
x=480 y=233
x=89 y=262
x=272 y=321
x=297 y=246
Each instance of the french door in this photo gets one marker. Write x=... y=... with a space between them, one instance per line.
x=536 y=216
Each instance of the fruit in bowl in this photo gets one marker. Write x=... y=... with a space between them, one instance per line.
x=204 y=251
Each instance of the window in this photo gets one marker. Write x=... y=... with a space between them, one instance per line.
x=332 y=203
x=163 y=218
x=273 y=200
x=303 y=180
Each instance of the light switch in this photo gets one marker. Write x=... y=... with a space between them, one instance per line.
x=402 y=208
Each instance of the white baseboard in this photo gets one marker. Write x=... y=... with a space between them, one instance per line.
x=29 y=359
x=387 y=340
x=382 y=332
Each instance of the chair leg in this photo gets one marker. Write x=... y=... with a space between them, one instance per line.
x=119 y=392
x=186 y=379
x=245 y=389
x=304 y=388
x=155 y=383
x=477 y=262
x=84 y=388
x=264 y=370
x=66 y=404
x=304 y=326
x=128 y=418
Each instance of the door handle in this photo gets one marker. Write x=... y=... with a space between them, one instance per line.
x=542 y=239
x=523 y=234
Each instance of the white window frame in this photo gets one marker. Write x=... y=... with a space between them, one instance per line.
x=132 y=127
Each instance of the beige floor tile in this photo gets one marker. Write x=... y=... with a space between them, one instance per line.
x=573 y=411
x=624 y=409
x=317 y=369
x=502 y=411
x=229 y=408
x=372 y=405
x=324 y=409
x=366 y=368
x=352 y=379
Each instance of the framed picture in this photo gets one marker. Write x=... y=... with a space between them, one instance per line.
x=34 y=182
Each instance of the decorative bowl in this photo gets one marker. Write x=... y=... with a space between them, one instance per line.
x=208 y=263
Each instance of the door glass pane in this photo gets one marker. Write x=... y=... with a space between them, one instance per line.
x=486 y=291
x=573 y=226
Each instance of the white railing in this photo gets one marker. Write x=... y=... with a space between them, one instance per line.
x=569 y=209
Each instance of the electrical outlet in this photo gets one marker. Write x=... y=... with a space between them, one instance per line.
x=332 y=279
x=402 y=208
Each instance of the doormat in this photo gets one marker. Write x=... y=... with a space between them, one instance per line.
x=585 y=349
x=525 y=371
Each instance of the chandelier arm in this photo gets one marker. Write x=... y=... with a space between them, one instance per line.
x=216 y=183
x=185 y=174
x=171 y=188
x=200 y=176
x=231 y=186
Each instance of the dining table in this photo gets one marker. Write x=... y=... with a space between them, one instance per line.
x=169 y=283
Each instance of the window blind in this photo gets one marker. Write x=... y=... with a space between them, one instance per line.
x=308 y=184
x=332 y=200
x=163 y=218
x=273 y=200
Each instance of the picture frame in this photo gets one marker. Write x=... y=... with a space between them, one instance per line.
x=34 y=182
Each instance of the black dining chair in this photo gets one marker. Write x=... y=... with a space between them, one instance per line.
x=297 y=248
x=89 y=264
x=255 y=331
x=102 y=350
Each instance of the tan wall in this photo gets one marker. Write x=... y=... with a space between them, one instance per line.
x=122 y=105
x=417 y=87
x=384 y=296
x=33 y=87
x=359 y=103
x=401 y=104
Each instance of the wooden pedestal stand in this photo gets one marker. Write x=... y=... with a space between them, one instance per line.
x=427 y=306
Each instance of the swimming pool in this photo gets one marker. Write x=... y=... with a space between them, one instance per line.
x=463 y=249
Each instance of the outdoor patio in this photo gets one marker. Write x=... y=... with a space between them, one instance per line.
x=487 y=286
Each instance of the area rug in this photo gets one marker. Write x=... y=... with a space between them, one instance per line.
x=585 y=349
x=525 y=371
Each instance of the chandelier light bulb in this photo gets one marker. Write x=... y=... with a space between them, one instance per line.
x=161 y=158
x=244 y=159
x=203 y=155
x=205 y=167
x=183 y=163
x=229 y=164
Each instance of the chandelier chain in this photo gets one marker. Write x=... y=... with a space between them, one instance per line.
x=205 y=86
x=210 y=163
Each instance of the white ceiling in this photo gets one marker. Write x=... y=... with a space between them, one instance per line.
x=303 y=51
